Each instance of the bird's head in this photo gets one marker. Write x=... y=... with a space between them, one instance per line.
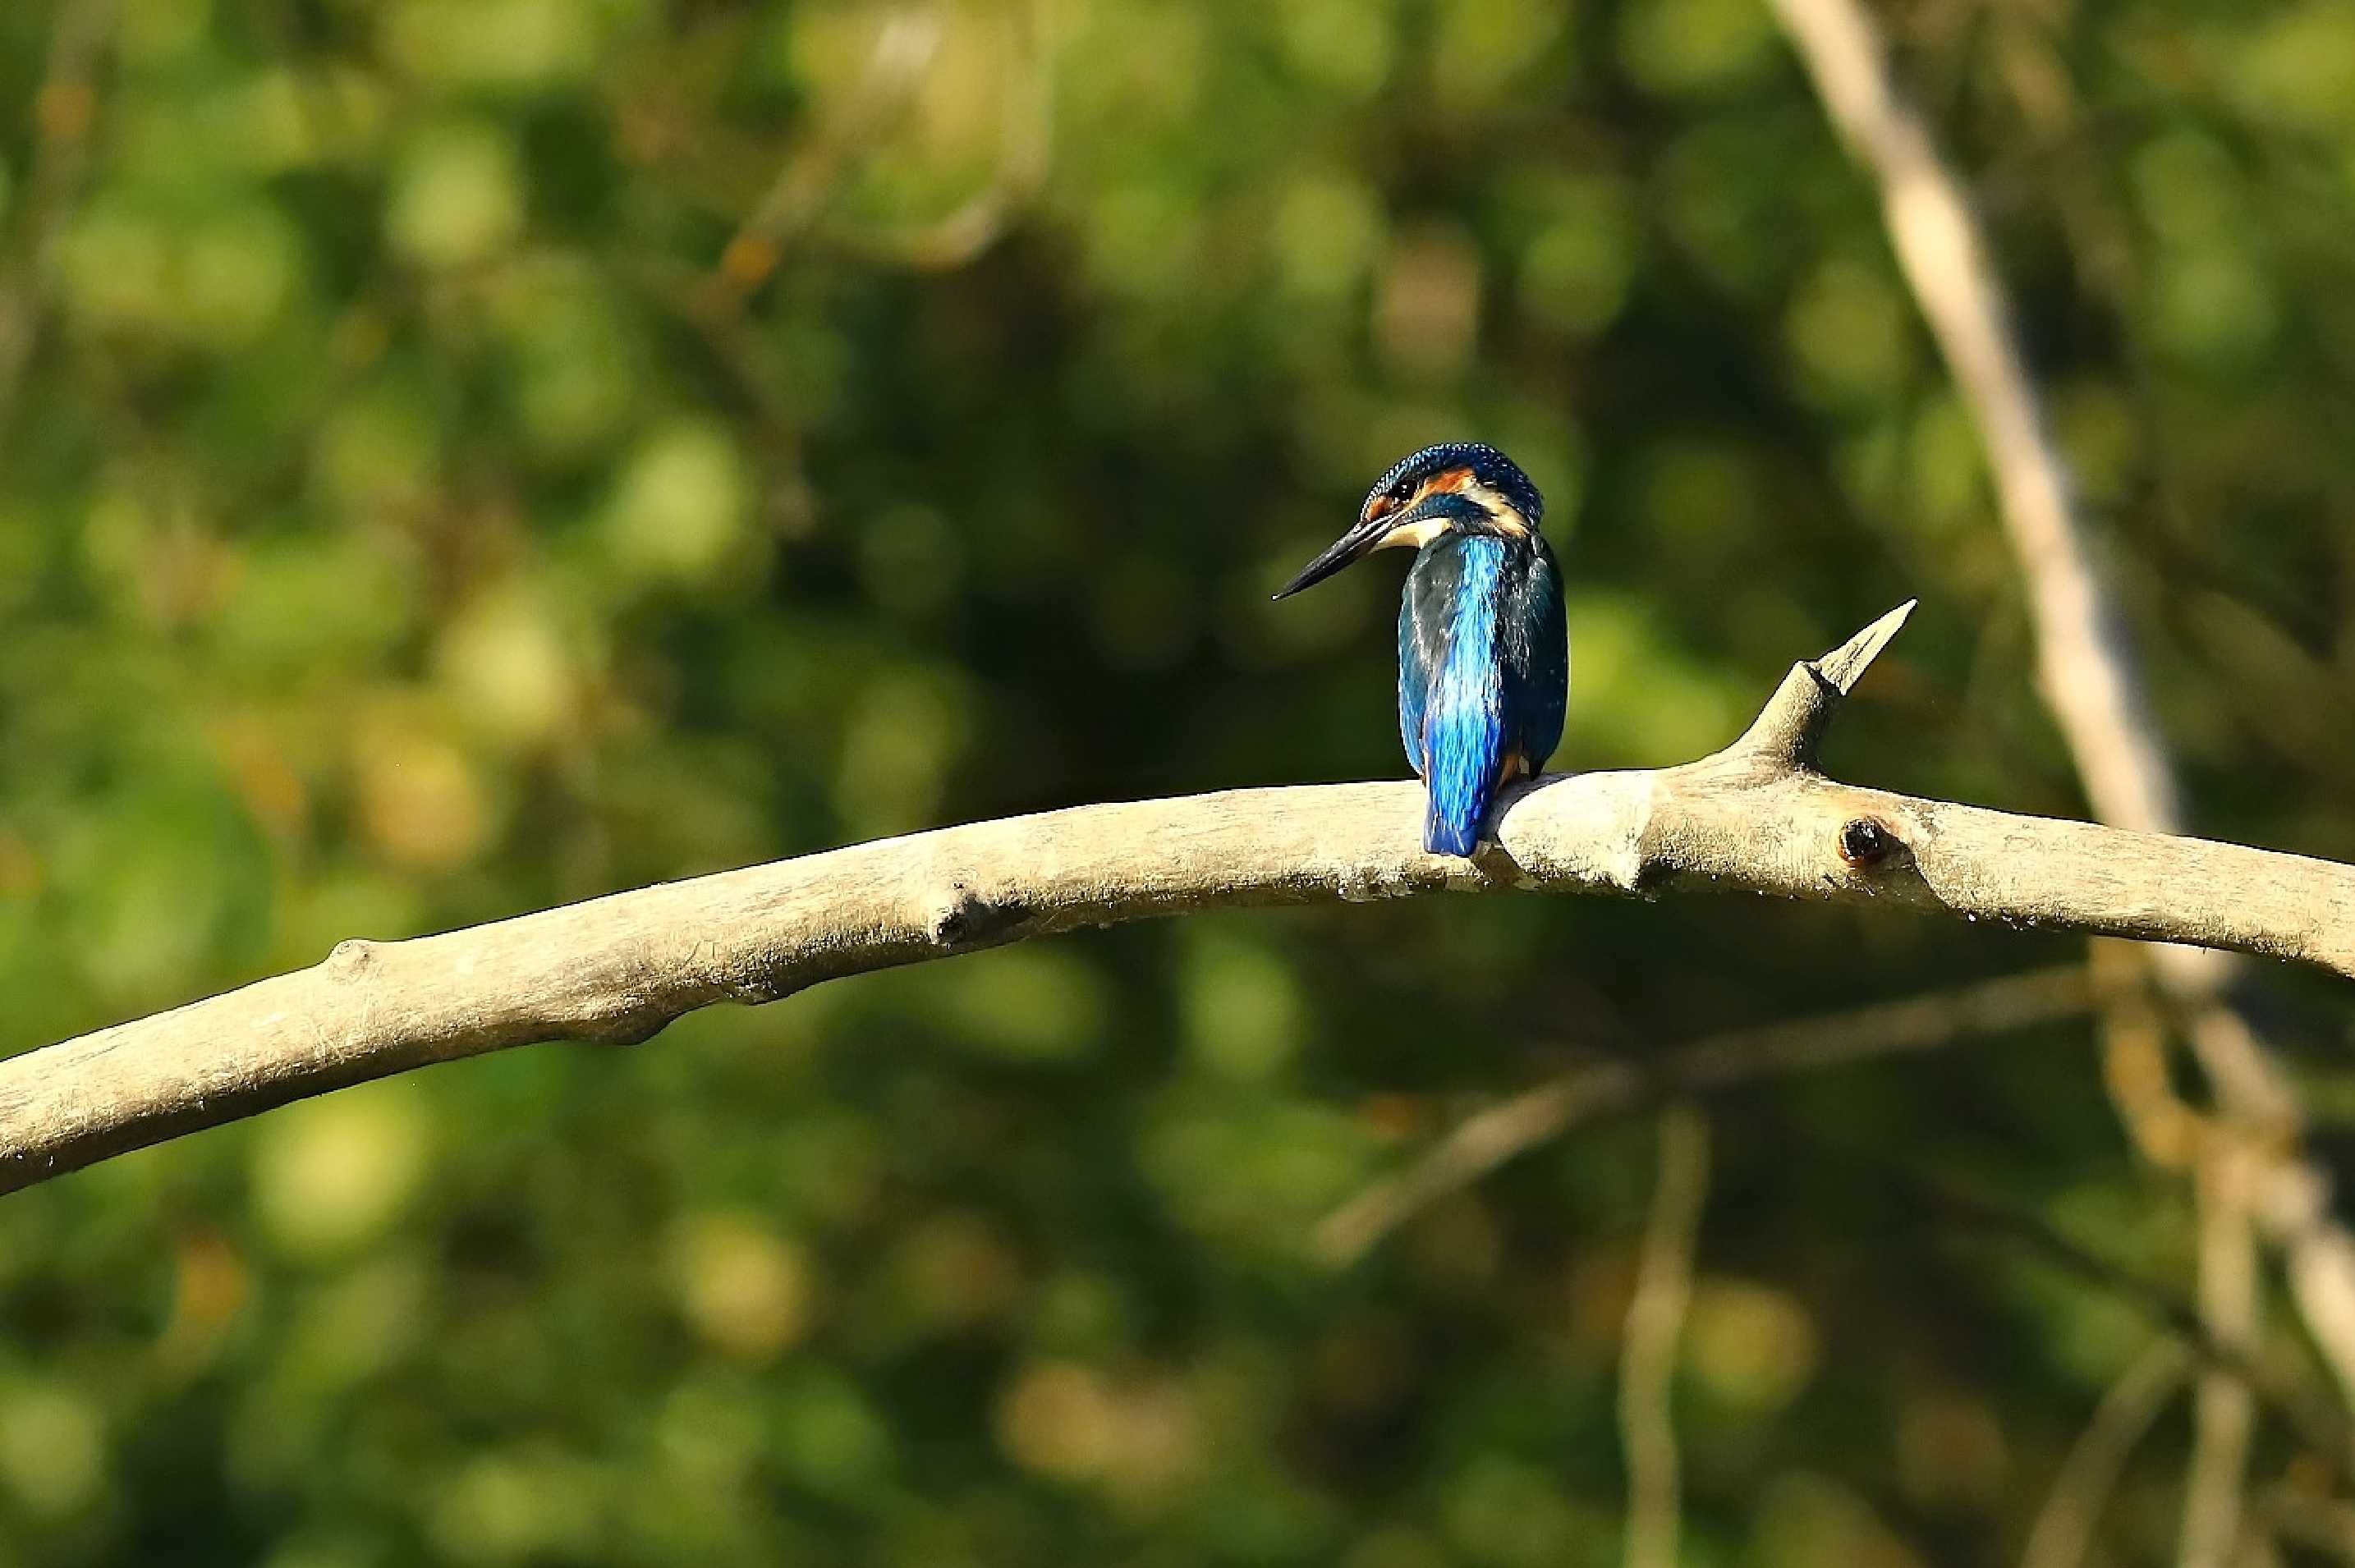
x=1461 y=487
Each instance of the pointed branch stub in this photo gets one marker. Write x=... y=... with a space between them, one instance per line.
x=1790 y=729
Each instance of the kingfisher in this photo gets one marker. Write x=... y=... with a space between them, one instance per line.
x=1484 y=652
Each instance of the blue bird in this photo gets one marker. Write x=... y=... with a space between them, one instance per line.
x=1484 y=654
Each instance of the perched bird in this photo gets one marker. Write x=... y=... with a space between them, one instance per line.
x=1483 y=655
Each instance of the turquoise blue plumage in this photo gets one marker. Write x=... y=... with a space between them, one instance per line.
x=1484 y=650
x=1484 y=675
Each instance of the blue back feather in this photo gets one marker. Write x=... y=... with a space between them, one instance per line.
x=1464 y=728
x=1483 y=673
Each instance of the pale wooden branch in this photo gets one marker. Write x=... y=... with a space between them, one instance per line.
x=2086 y=668
x=1756 y=816
x=2085 y=662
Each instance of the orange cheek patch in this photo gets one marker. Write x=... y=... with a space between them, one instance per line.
x=1455 y=482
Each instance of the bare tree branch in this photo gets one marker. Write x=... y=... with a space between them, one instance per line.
x=1655 y=1321
x=1024 y=145
x=65 y=111
x=1505 y=1131
x=812 y=177
x=1756 y=816
x=2063 y=1532
x=2086 y=665
x=2322 y=1525
x=2224 y=1411
x=2319 y=1423
x=2086 y=670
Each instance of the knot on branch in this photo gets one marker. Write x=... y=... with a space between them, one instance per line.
x=967 y=919
x=352 y=958
x=1867 y=843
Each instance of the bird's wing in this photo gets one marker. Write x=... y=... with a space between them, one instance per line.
x=1536 y=654
x=1425 y=628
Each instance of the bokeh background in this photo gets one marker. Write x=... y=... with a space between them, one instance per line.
x=458 y=456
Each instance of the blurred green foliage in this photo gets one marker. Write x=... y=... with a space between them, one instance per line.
x=462 y=455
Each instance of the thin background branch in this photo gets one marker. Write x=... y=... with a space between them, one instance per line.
x=2317 y=1524
x=1656 y=1320
x=1483 y=1142
x=810 y=179
x=65 y=118
x=1024 y=143
x=2224 y=1409
x=2320 y=1424
x=2065 y=1527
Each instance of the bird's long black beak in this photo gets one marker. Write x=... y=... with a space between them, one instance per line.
x=1359 y=541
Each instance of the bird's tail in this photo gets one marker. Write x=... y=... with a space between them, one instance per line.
x=1445 y=832
x=1463 y=768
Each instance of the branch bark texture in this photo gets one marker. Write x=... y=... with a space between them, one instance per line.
x=1757 y=816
